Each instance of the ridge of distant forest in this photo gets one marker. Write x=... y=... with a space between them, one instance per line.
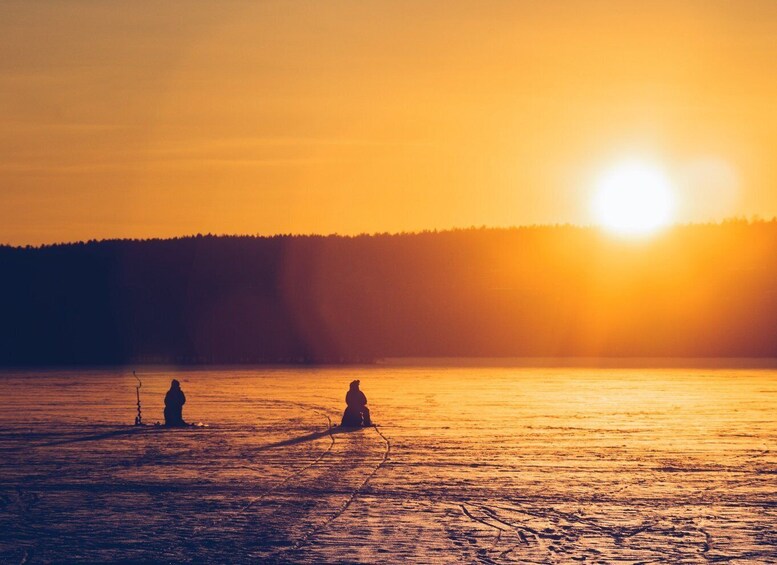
x=696 y=290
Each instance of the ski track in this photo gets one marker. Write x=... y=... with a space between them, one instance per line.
x=290 y=477
x=282 y=554
x=484 y=466
x=306 y=539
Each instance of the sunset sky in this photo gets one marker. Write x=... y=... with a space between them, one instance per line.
x=146 y=119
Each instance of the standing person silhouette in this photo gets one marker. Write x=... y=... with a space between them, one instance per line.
x=174 y=401
x=356 y=414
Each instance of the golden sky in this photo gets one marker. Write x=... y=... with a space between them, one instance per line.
x=144 y=119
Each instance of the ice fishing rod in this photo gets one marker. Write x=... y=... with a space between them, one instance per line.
x=139 y=417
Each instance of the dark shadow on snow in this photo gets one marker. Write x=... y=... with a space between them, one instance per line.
x=309 y=437
x=96 y=437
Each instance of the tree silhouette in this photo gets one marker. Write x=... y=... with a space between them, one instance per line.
x=700 y=290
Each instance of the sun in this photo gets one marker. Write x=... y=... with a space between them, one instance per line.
x=633 y=198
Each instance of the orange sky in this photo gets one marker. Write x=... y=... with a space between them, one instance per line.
x=138 y=120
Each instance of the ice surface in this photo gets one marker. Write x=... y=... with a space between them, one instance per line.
x=489 y=465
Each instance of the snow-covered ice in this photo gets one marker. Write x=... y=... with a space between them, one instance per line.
x=467 y=464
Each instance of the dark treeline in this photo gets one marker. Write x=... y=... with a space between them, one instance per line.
x=702 y=290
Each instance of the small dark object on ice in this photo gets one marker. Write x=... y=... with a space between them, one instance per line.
x=356 y=414
x=139 y=417
x=185 y=425
x=174 y=401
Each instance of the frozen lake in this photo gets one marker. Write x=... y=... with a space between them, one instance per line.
x=468 y=464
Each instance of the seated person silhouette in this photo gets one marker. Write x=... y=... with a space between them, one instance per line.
x=174 y=401
x=356 y=414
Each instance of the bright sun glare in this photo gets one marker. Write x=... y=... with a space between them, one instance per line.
x=633 y=198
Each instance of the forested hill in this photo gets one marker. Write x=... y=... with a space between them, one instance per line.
x=704 y=290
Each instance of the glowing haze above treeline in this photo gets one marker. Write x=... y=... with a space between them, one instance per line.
x=151 y=119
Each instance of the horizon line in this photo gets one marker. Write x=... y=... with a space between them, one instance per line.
x=752 y=220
